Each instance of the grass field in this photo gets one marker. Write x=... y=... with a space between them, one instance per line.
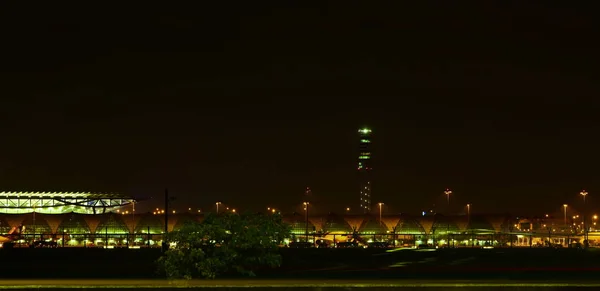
x=453 y=264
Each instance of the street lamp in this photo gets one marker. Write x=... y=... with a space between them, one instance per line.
x=565 y=211
x=133 y=222
x=34 y=226
x=380 y=207
x=468 y=215
x=306 y=222
x=218 y=203
x=448 y=192
x=585 y=233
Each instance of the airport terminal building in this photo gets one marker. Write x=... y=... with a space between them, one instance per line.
x=93 y=219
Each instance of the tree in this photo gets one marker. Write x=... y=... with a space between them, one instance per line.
x=224 y=244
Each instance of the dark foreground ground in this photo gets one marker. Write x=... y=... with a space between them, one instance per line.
x=288 y=284
x=561 y=266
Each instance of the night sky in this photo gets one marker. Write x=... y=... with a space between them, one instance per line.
x=251 y=104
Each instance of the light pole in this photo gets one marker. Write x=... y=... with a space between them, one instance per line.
x=34 y=226
x=468 y=215
x=448 y=192
x=585 y=232
x=218 y=203
x=565 y=212
x=306 y=220
x=380 y=207
x=133 y=222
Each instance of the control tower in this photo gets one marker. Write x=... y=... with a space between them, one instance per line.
x=364 y=169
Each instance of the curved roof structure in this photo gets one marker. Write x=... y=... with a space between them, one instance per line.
x=61 y=202
x=400 y=224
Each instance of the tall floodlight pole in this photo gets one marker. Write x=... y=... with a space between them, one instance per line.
x=585 y=232
x=468 y=215
x=306 y=220
x=448 y=192
x=218 y=203
x=380 y=209
x=565 y=212
x=133 y=222
x=34 y=226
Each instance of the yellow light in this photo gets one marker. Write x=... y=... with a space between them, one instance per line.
x=190 y=209
x=173 y=211
x=595 y=216
x=233 y=210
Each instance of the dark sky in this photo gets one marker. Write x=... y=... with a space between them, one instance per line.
x=250 y=104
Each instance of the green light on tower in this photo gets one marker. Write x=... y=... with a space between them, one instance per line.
x=364 y=131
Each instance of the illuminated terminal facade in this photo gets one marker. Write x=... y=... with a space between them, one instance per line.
x=122 y=229
x=61 y=202
x=110 y=220
x=364 y=169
